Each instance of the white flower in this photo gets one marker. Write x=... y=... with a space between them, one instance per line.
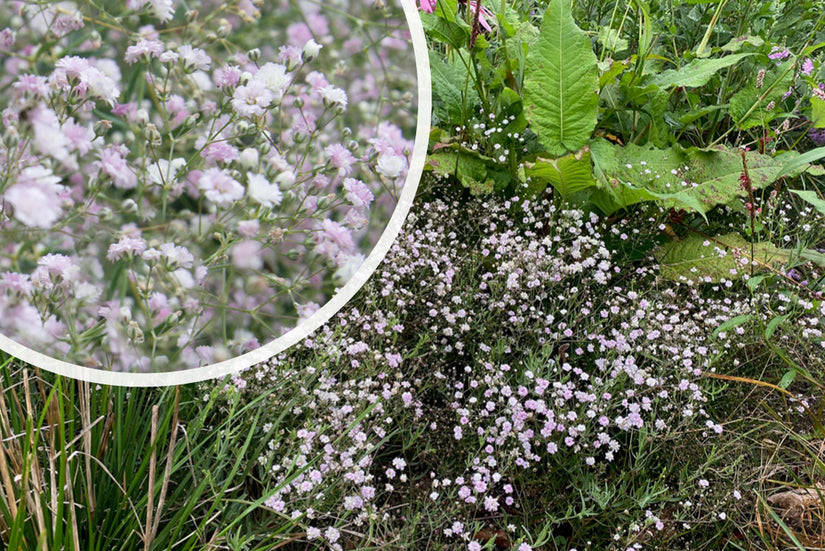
x=274 y=78
x=194 y=59
x=219 y=187
x=311 y=50
x=391 y=166
x=260 y=190
x=333 y=95
x=252 y=100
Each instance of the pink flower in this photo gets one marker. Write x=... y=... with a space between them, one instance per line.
x=249 y=228
x=252 y=100
x=246 y=255
x=427 y=5
x=177 y=255
x=778 y=53
x=807 y=67
x=332 y=95
x=12 y=281
x=219 y=187
x=274 y=77
x=226 y=77
x=144 y=49
x=7 y=37
x=221 y=152
x=48 y=136
x=33 y=85
x=358 y=193
x=114 y=165
x=59 y=266
x=333 y=239
x=163 y=9
x=72 y=67
x=340 y=157
x=194 y=59
x=483 y=17
x=391 y=166
x=126 y=246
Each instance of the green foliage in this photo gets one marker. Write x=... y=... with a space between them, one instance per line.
x=812 y=198
x=749 y=106
x=476 y=172
x=123 y=469
x=560 y=90
x=452 y=95
x=699 y=258
x=568 y=175
x=696 y=73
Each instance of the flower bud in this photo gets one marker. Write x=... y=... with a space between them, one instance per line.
x=293 y=254
x=141 y=117
x=224 y=27
x=102 y=127
x=250 y=158
x=242 y=126
x=254 y=54
x=130 y=206
x=310 y=51
x=152 y=134
x=192 y=120
x=135 y=333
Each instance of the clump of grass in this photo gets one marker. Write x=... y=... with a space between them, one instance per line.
x=92 y=468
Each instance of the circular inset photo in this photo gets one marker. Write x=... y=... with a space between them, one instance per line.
x=190 y=187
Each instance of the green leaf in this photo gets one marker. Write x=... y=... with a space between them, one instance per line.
x=455 y=33
x=773 y=325
x=567 y=175
x=561 y=84
x=787 y=378
x=747 y=106
x=698 y=259
x=817 y=112
x=812 y=198
x=695 y=178
x=736 y=43
x=754 y=281
x=716 y=172
x=475 y=171
x=792 y=167
x=449 y=82
x=696 y=73
x=611 y=72
x=731 y=323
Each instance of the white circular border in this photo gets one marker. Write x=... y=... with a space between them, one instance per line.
x=342 y=296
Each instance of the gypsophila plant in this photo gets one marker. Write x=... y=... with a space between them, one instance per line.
x=500 y=362
x=182 y=183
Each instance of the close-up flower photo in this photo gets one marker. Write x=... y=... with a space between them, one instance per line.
x=182 y=184
x=550 y=275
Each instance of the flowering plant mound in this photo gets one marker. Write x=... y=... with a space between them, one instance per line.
x=499 y=341
x=181 y=182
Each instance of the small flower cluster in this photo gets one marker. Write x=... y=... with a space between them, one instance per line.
x=506 y=339
x=173 y=194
